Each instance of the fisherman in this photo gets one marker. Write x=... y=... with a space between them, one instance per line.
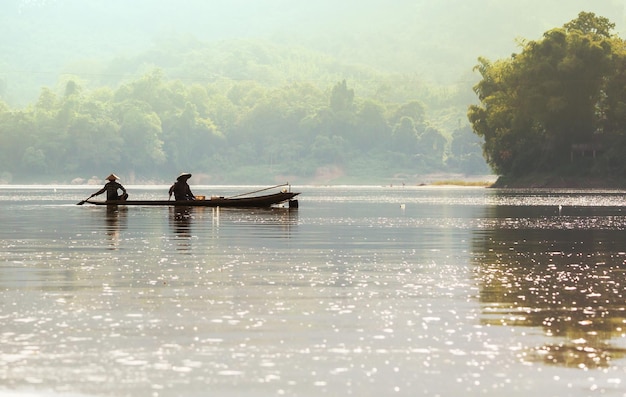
x=112 y=187
x=181 y=189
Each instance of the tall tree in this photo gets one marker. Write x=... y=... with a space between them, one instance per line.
x=538 y=103
x=341 y=97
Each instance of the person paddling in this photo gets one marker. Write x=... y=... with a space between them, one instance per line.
x=181 y=189
x=112 y=188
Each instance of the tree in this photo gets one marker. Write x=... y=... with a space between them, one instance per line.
x=328 y=150
x=14 y=138
x=191 y=140
x=589 y=23
x=465 y=152
x=95 y=139
x=414 y=110
x=371 y=126
x=404 y=136
x=431 y=146
x=538 y=103
x=341 y=97
x=34 y=160
x=140 y=128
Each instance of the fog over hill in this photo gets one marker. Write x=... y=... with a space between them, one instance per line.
x=357 y=91
x=437 y=40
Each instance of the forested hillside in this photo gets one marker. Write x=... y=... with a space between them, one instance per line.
x=152 y=128
x=251 y=91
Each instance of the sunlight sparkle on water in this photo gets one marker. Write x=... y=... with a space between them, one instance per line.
x=457 y=292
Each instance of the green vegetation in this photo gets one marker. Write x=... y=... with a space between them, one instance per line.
x=247 y=91
x=559 y=106
x=226 y=131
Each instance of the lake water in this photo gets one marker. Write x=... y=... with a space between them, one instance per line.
x=362 y=291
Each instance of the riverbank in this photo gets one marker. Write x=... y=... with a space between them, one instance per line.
x=559 y=182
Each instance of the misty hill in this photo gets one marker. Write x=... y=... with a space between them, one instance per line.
x=249 y=89
x=438 y=41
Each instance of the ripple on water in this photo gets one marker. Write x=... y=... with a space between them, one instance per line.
x=409 y=291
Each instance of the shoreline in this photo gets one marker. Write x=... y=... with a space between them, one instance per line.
x=558 y=182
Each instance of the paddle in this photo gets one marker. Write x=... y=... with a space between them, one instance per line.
x=84 y=201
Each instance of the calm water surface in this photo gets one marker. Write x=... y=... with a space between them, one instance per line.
x=365 y=291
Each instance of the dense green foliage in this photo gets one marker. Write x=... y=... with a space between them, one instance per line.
x=564 y=93
x=225 y=131
x=251 y=90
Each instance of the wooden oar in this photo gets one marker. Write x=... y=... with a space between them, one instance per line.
x=83 y=201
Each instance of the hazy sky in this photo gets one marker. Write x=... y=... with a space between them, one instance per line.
x=46 y=35
x=210 y=19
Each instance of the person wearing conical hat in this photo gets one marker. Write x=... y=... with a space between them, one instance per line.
x=181 y=189
x=112 y=187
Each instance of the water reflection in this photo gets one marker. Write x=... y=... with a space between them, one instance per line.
x=283 y=219
x=116 y=219
x=560 y=273
x=260 y=222
x=228 y=225
x=180 y=219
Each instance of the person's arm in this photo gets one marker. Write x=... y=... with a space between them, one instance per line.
x=99 y=192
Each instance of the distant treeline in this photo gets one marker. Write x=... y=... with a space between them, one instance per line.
x=235 y=96
x=228 y=131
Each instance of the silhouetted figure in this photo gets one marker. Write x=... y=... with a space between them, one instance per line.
x=181 y=189
x=112 y=188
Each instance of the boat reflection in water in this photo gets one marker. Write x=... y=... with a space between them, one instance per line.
x=180 y=219
x=559 y=273
x=229 y=223
x=116 y=220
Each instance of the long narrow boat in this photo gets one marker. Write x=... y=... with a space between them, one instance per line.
x=264 y=201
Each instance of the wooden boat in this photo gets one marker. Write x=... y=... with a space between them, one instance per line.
x=263 y=201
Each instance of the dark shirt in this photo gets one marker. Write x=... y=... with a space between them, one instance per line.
x=181 y=191
x=111 y=188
